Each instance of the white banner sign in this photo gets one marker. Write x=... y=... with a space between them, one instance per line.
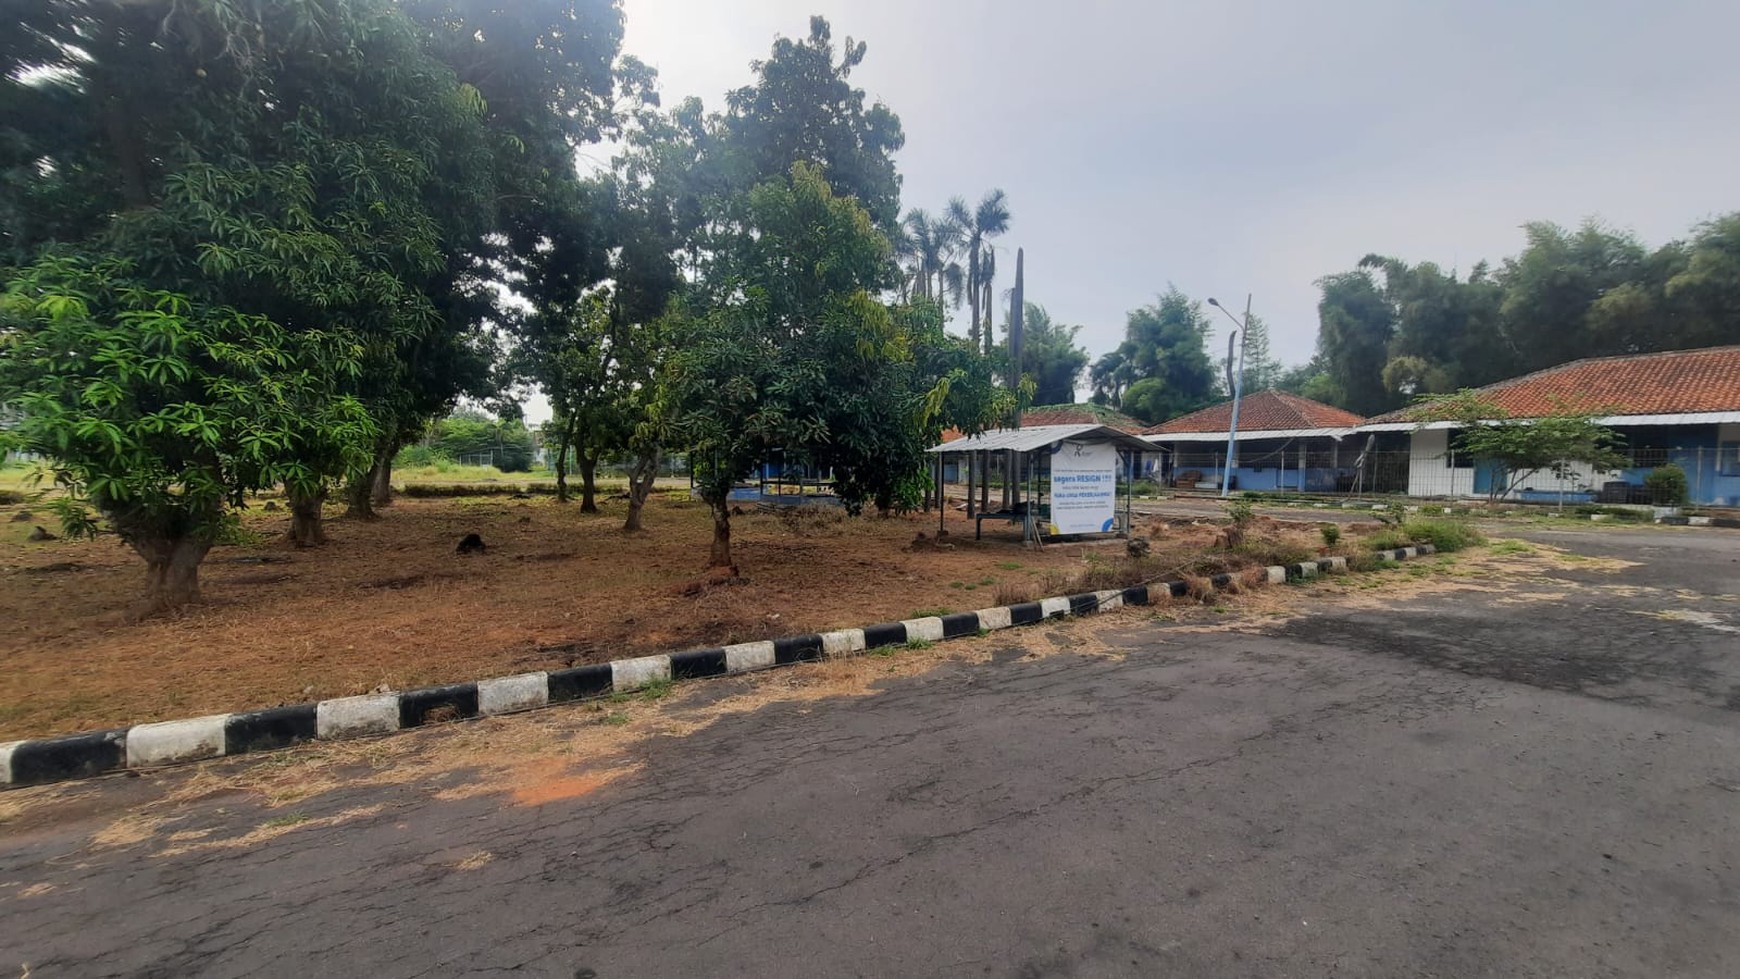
x=1084 y=488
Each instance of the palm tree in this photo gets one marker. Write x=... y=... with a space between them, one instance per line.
x=988 y=220
x=933 y=243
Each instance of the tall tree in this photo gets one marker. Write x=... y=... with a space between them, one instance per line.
x=1051 y=356
x=1166 y=343
x=803 y=106
x=786 y=323
x=934 y=243
x=1355 y=326
x=337 y=168
x=979 y=224
x=1262 y=370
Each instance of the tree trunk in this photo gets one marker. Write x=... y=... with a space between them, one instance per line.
x=306 y=526
x=640 y=485
x=359 y=497
x=562 y=470
x=973 y=293
x=588 y=483
x=382 y=489
x=171 y=575
x=721 y=556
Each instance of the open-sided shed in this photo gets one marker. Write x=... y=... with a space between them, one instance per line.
x=1066 y=477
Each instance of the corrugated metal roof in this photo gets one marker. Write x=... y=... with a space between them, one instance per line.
x=1247 y=436
x=1040 y=436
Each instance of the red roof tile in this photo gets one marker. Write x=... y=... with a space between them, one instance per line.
x=1669 y=383
x=1076 y=414
x=1079 y=414
x=1265 y=411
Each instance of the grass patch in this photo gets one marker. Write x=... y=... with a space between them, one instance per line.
x=288 y=819
x=1511 y=547
x=1387 y=539
x=656 y=690
x=927 y=613
x=1443 y=534
x=1009 y=565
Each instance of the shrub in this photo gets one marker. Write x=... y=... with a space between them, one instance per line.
x=1445 y=535
x=475 y=489
x=1364 y=561
x=1272 y=552
x=1667 y=485
x=1387 y=539
x=416 y=456
x=1331 y=534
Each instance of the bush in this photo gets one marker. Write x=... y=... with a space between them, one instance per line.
x=1445 y=535
x=475 y=489
x=1272 y=552
x=418 y=456
x=1667 y=486
x=1365 y=561
x=1388 y=539
x=1331 y=534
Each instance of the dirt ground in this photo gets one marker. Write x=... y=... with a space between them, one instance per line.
x=390 y=604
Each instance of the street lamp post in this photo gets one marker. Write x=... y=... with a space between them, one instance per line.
x=1238 y=386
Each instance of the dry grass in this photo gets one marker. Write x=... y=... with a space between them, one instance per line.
x=389 y=602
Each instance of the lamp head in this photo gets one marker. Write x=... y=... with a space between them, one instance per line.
x=1213 y=301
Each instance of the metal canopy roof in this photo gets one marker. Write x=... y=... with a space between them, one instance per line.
x=1041 y=436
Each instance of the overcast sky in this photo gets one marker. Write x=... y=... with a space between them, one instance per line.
x=1234 y=147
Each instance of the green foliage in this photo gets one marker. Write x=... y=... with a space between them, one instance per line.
x=1355 y=326
x=1239 y=510
x=803 y=106
x=1389 y=331
x=1443 y=534
x=1388 y=539
x=1667 y=485
x=1163 y=344
x=1556 y=443
x=1331 y=534
x=1050 y=355
x=470 y=436
x=163 y=412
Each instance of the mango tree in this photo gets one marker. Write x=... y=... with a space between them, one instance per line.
x=161 y=413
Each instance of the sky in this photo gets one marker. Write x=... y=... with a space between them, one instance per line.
x=1234 y=147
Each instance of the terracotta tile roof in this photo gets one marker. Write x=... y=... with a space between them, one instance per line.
x=1076 y=414
x=1669 y=383
x=1265 y=411
x=1079 y=414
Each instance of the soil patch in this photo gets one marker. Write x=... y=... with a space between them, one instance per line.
x=387 y=602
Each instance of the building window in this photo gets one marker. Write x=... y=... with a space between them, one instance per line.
x=1458 y=460
x=1728 y=459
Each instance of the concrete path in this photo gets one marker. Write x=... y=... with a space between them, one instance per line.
x=1502 y=772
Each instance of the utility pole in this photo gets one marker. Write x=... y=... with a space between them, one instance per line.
x=1238 y=385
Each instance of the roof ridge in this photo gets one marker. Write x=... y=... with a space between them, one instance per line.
x=1648 y=355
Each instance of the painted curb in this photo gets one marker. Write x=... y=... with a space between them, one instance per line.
x=161 y=743
x=1732 y=523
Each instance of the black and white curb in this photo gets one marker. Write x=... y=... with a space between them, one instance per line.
x=145 y=746
x=1732 y=523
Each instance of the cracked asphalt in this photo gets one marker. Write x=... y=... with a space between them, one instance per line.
x=1535 y=774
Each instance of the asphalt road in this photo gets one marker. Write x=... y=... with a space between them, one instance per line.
x=1531 y=775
